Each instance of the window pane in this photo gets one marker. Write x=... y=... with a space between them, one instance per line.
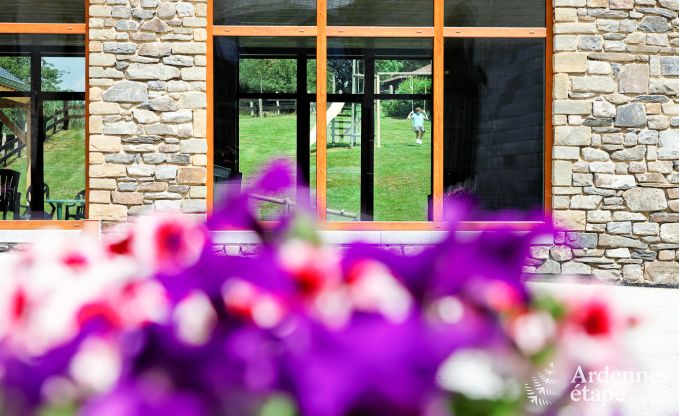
x=403 y=76
x=44 y=149
x=64 y=157
x=267 y=131
x=495 y=13
x=402 y=159
x=346 y=76
x=42 y=11
x=272 y=75
x=265 y=12
x=494 y=121
x=63 y=73
x=263 y=112
x=381 y=13
x=15 y=73
x=344 y=162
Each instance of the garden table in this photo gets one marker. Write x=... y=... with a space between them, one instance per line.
x=59 y=203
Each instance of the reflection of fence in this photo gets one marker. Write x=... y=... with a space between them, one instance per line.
x=10 y=146
x=289 y=204
x=262 y=107
x=62 y=117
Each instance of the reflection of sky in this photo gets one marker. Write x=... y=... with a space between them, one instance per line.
x=73 y=68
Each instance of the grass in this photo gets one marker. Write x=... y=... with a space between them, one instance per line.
x=402 y=168
x=64 y=165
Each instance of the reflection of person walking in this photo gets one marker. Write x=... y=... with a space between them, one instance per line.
x=418 y=116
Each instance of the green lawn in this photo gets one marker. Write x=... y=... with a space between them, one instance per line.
x=64 y=165
x=402 y=168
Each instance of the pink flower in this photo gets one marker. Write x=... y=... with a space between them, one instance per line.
x=373 y=288
x=162 y=243
x=244 y=300
x=314 y=269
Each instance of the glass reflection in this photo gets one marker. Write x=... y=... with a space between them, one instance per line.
x=265 y=12
x=42 y=127
x=495 y=13
x=42 y=11
x=494 y=121
x=381 y=13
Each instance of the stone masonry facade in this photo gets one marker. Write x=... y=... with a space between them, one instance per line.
x=616 y=141
x=148 y=106
x=615 y=112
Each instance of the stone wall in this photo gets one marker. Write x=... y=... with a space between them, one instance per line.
x=616 y=140
x=147 y=73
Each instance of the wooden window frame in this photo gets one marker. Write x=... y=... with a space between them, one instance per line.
x=438 y=33
x=11 y=28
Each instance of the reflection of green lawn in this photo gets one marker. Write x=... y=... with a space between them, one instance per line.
x=64 y=165
x=402 y=168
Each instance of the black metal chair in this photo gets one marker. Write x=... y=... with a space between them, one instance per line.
x=46 y=193
x=79 y=208
x=10 y=197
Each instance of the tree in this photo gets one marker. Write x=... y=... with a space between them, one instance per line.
x=268 y=75
x=401 y=108
x=20 y=67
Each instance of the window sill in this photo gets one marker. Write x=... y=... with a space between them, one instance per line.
x=29 y=225
x=382 y=236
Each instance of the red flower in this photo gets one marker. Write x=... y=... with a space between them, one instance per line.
x=595 y=319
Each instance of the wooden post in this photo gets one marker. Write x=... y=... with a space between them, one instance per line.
x=437 y=112
x=321 y=108
x=378 y=112
x=66 y=120
x=29 y=145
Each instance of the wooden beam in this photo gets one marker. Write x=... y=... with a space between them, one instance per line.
x=287 y=31
x=549 y=131
x=431 y=226
x=10 y=103
x=12 y=126
x=438 y=132
x=87 y=109
x=91 y=226
x=44 y=28
x=210 y=88
x=321 y=108
x=494 y=32
x=380 y=32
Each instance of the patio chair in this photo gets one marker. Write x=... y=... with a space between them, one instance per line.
x=79 y=208
x=46 y=193
x=9 y=193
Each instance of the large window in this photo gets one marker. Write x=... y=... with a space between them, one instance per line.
x=494 y=121
x=386 y=107
x=42 y=112
x=266 y=106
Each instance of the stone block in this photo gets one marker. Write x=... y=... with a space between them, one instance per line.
x=108 y=212
x=608 y=181
x=191 y=176
x=107 y=144
x=193 y=146
x=599 y=84
x=645 y=199
x=631 y=115
x=662 y=272
x=634 y=79
x=571 y=62
x=152 y=72
x=573 y=136
x=127 y=198
x=570 y=220
x=669 y=233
